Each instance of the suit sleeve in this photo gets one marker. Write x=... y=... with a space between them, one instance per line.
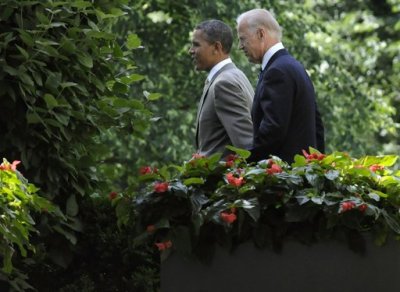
x=233 y=110
x=276 y=103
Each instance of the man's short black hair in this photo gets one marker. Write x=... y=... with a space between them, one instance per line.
x=217 y=31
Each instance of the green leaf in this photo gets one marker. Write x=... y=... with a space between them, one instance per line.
x=10 y=70
x=251 y=207
x=387 y=160
x=194 y=181
x=51 y=102
x=68 y=235
x=133 y=41
x=85 y=60
x=72 y=206
x=154 y=96
x=332 y=174
x=33 y=118
x=198 y=199
x=132 y=78
x=119 y=87
x=23 y=52
x=241 y=152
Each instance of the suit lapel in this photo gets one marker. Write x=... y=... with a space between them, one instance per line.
x=275 y=56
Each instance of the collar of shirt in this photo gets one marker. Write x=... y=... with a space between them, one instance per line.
x=218 y=67
x=268 y=54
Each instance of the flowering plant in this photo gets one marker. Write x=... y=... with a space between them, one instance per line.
x=18 y=200
x=209 y=201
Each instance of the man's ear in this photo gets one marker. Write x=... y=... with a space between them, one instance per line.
x=261 y=33
x=218 y=46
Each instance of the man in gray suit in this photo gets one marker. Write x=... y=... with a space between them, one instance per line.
x=223 y=115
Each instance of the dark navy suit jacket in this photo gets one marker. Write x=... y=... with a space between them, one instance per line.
x=284 y=112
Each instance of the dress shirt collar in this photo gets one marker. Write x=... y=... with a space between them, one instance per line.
x=218 y=67
x=268 y=54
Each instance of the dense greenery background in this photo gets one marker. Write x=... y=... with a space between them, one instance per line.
x=79 y=104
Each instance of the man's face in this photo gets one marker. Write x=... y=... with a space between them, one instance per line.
x=249 y=43
x=202 y=52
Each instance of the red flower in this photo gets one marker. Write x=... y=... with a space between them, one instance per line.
x=112 y=195
x=228 y=217
x=275 y=168
x=8 y=166
x=347 y=206
x=145 y=170
x=230 y=160
x=313 y=156
x=234 y=181
x=161 y=187
x=376 y=167
x=229 y=163
x=231 y=157
x=150 y=229
x=362 y=208
x=163 y=245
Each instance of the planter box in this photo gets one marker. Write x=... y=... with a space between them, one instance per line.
x=324 y=267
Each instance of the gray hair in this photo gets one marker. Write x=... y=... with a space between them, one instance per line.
x=257 y=18
x=217 y=31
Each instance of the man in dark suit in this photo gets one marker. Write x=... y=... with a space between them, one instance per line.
x=223 y=115
x=284 y=113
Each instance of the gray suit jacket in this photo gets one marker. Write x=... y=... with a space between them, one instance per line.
x=223 y=115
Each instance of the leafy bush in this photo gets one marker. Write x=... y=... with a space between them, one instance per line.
x=64 y=80
x=207 y=201
x=18 y=200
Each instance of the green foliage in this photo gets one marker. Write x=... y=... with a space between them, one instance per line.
x=60 y=88
x=357 y=73
x=64 y=80
x=206 y=202
x=18 y=200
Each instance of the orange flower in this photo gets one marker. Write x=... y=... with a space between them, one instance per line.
x=275 y=168
x=313 y=156
x=228 y=217
x=8 y=166
x=376 y=167
x=234 y=181
x=161 y=187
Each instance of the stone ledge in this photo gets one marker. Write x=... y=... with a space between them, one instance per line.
x=322 y=267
